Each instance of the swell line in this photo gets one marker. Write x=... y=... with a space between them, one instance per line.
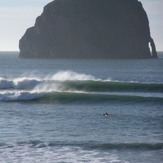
x=71 y=96
x=113 y=86
x=92 y=145
x=156 y=146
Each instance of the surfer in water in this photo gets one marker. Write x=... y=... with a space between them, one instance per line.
x=106 y=114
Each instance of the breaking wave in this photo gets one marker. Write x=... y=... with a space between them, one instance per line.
x=32 y=82
x=71 y=86
x=19 y=83
x=73 y=81
x=36 y=151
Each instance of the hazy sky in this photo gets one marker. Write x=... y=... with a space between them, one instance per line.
x=18 y=15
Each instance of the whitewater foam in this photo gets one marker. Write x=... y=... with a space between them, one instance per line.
x=19 y=95
x=19 y=83
x=36 y=151
x=27 y=153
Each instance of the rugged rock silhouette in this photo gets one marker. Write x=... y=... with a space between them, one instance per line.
x=90 y=29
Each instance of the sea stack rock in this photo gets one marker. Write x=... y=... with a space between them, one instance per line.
x=90 y=29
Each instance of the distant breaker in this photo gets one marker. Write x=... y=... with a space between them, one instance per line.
x=90 y=29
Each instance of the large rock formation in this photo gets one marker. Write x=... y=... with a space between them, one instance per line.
x=90 y=29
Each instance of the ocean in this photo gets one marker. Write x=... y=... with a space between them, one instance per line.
x=54 y=110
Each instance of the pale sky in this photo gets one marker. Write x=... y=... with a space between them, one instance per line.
x=18 y=15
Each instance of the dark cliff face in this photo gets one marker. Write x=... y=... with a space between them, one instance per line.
x=89 y=29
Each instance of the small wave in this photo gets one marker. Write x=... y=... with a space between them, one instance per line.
x=51 y=152
x=130 y=146
x=92 y=145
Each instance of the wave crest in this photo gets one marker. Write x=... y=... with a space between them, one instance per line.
x=72 y=86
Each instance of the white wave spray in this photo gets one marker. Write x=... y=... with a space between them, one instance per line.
x=28 y=88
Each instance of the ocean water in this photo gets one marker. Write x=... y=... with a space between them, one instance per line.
x=53 y=111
